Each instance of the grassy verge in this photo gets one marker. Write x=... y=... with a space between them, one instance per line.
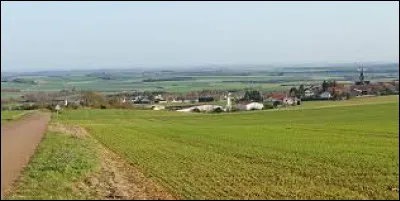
x=60 y=161
x=12 y=115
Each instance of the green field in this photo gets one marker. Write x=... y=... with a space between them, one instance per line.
x=341 y=152
x=12 y=115
x=354 y=101
x=131 y=84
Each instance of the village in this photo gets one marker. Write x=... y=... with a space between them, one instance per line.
x=209 y=100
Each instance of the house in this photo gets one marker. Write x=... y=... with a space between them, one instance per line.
x=274 y=97
x=237 y=95
x=336 y=90
x=191 y=100
x=176 y=101
x=141 y=100
x=206 y=99
x=308 y=92
x=158 y=98
x=281 y=99
x=145 y=100
x=362 y=89
x=158 y=107
x=325 y=95
x=357 y=92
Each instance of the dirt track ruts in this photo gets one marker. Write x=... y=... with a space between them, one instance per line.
x=19 y=140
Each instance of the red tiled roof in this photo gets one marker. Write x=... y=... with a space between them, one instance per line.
x=277 y=96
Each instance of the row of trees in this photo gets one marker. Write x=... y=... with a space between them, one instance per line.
x=253 y=95
x=299 y=93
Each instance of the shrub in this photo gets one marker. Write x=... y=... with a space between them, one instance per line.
x=218 y=110
x=268 y=106
x=276 y=103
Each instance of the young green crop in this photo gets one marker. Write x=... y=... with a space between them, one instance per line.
x=341 y=152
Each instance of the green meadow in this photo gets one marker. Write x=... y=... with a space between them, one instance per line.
x=346 y=151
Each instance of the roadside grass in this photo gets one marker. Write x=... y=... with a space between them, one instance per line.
x=59 y=162
x=341 y=152
x=11 y=115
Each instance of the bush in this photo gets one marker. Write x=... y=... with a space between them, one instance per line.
x=268 y=106
x=218 y=110
x=196 y=110
x=233 y=109
x=74 y=107
x=103 y=107
x=276 y=103
x=28 y=107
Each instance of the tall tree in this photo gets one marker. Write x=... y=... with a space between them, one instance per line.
x=301 y=91
x=325 y=86
x=293 y=91
x=253 y=95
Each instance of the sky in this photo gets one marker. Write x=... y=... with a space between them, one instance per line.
x=92 y=35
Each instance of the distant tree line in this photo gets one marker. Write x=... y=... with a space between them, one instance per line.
x=167 y=79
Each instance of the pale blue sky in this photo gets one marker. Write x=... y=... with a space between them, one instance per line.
x=88 y=35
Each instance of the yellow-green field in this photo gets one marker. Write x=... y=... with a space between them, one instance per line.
x=342 y=151
x=331 y=153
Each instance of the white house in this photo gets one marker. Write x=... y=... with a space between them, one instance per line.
x=158 y=107
x=158 y=97
x=254 y=106
x=308 y=93
x=325 y=95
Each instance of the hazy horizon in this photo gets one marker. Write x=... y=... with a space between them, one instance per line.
x=39 y=36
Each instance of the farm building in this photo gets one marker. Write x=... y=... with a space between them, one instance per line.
x=206 y=99
x=325 y=95
x=249 y=106
x=141 y=100
x=176 y=101
x=308 y=93
x=202 y=108
x=159 y=98
x=158 y=107
x=274 y=97
x=281 y=99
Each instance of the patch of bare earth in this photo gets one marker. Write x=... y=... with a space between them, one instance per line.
x=72 y=130
x=115 y=179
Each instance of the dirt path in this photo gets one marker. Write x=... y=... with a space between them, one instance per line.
x=19 y=140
